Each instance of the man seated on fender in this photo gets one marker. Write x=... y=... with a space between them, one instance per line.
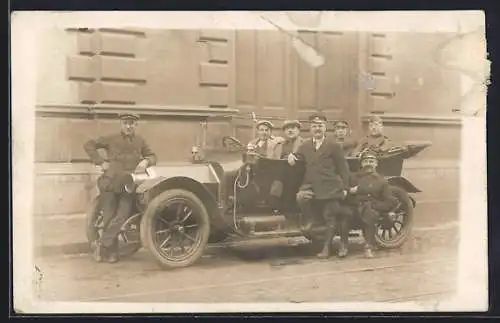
x=325 y=180
x=128 y=153
x=370 y=196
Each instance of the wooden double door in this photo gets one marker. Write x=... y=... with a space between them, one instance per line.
x=274 y=82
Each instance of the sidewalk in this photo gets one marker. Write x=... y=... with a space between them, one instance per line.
x=65 y=234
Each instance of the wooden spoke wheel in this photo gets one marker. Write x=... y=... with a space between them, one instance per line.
x=393 y=231
x=175 y=228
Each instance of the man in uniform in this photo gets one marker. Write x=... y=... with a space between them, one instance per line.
x=371 y=195
x=126 y=153
x=325 y=181
x=342 y=137
x=375 y=141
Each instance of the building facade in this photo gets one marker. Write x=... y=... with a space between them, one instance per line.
x=176 y=78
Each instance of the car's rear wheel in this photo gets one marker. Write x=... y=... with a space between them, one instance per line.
x=175 y=228
x=391 y=233
x=128 y=238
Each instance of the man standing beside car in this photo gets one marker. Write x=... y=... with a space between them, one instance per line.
x=325 y=180
x=127 y=153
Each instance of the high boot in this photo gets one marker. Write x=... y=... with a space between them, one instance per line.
x=369 y=235
x=344 y=240
x=330 y=233
x=112 y=252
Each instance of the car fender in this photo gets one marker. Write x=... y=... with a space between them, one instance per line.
x=403 y=183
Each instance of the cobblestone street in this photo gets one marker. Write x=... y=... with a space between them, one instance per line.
x=270 y=271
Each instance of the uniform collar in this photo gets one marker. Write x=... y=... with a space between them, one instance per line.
x=125 y=136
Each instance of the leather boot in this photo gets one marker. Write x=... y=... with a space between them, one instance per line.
x=368 y=251
x=98 y=252
x=325 y=253
x=343 y=248
x=344 y=238
x=112 y=252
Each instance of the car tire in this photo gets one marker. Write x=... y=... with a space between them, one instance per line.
x=406 y=206
x=153 y=213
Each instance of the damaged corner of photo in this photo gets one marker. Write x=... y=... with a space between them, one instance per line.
x=473 y=255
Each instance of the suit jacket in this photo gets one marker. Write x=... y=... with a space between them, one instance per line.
x=289 y=147
x=270 y=149
x=348 y=145
x=327 y=172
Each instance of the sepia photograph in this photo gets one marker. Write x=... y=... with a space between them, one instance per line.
x=296 y=161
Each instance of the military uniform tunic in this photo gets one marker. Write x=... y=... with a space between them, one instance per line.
x=124 y=152
x=378 y=143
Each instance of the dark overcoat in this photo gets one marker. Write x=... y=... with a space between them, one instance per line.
x=326 y=169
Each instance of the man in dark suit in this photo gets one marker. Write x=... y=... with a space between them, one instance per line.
x=325 y=180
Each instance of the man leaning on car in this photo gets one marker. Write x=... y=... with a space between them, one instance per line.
x=325 y=181
x=127 y=153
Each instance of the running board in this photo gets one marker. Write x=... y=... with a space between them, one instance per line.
x=267 y=219
x=277 y=233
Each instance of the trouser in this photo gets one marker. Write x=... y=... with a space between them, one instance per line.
x=344 y=217
x=326 y=209
x=117 y=208
x=369 y=218
x=116 y=204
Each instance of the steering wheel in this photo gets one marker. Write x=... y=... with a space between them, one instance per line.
x=232 y=144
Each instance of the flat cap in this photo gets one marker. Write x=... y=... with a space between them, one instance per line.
x=341 y=124
x=317 y=118
x=266 y=123
x=128 y=116
x=368 y=155
x=375 y=119
x=291 y=123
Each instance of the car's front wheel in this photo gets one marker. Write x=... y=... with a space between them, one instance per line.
x=175 y=228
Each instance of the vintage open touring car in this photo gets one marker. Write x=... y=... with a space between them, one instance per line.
x=184 y=206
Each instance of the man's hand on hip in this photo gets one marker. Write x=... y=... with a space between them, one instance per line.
x=141 y=167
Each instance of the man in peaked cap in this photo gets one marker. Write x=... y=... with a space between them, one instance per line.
x=375 y=141
x=342 y=136
x=126 y=153
x=370 y=195
x=290 y=175
x=325 y=180
x=265 y=143
x=269 y=146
